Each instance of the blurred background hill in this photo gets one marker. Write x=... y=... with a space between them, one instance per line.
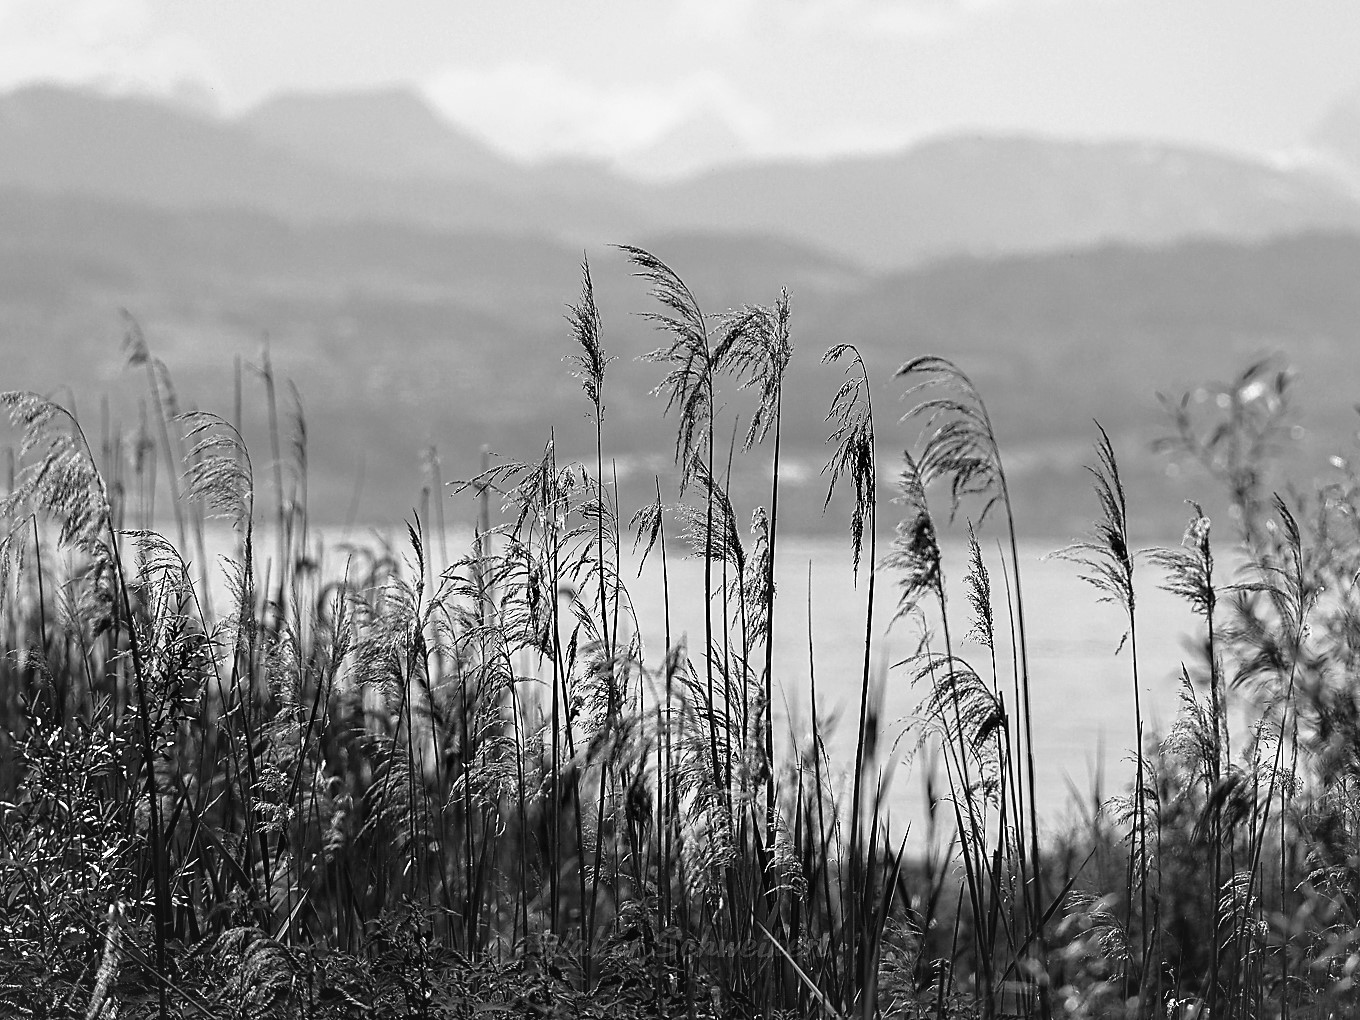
x=412 y=280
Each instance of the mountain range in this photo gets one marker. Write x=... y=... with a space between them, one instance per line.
x=413 y=282
x=388 y=157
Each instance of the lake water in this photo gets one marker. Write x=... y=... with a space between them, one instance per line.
x=1081 y=689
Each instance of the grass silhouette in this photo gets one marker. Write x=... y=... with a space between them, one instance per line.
x=415 y=785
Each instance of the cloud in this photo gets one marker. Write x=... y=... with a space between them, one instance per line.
x=733 y=20
x=535 y=110
x=656 y=131
x=114 y=45
x=876 y=18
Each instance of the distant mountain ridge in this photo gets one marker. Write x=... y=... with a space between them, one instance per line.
x=55 y=140
x=387 y=157
x=399 y=337
x=998 y=195
x=387 y=134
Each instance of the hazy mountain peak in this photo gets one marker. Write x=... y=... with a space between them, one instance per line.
x=987 y=194
x=388 y=133
x=59 y=140
x=387 y=156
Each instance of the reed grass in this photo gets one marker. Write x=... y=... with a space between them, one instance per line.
x=410 y=784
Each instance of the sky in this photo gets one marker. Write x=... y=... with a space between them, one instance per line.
x=708 y=80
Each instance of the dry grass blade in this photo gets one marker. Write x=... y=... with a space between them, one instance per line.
x=808 y=983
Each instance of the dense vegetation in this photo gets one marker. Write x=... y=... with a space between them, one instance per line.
x=406 y=785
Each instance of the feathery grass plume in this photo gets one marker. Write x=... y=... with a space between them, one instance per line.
x=1105 y=559
x=598 y=566
x=954 y=684
x=692 y=359
x=526 y=609
x=1190 y=567
x=13 y=549
x=958 y=442
x=915 y=552
x=646 y=524
x=58 y=476
x=218 y=472
x=1126 y=809
x=1101 y=924
x=723 y=544
x=755 y=584
x=383 y=641
x=592 y=689
x=538 y=493
x=590 y=363
x=852 y=414
x=162 y=579
x=1292 y=590
x=979 y=593
x=1190 y=739
x=760 y=352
